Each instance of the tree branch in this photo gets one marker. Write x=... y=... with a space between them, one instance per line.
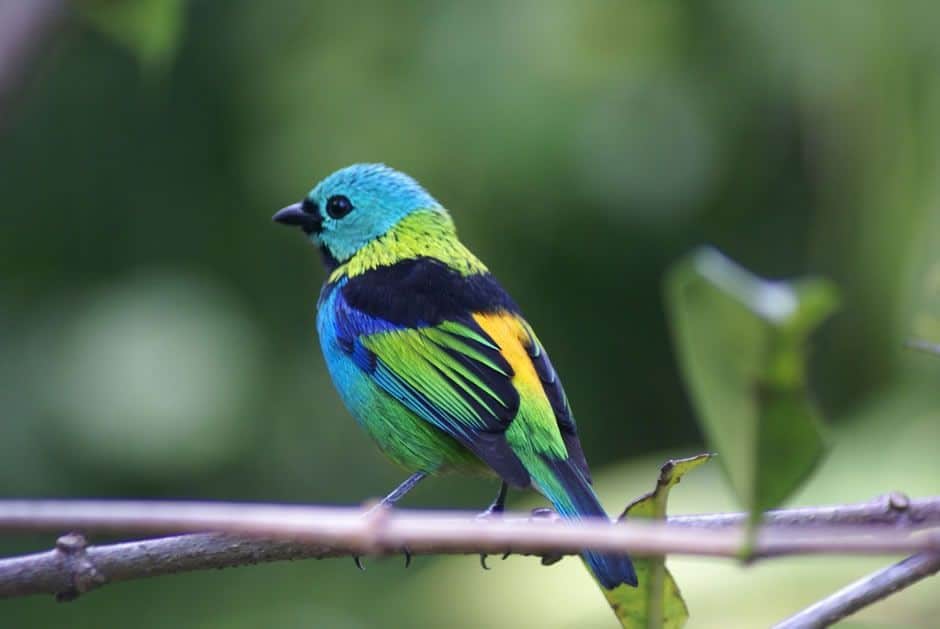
x=51 y=573
x=864 y=592
x=924 y=346
x=894 y=509
x=246 y=534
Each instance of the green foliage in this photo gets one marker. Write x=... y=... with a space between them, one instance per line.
x=741 y=343
x=657 y=602
x=582 y=147
x=150 y=29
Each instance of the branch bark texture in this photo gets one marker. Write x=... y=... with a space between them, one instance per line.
x=864 y=592
x=246 y=534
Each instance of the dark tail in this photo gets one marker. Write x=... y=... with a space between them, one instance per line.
x=573 y=498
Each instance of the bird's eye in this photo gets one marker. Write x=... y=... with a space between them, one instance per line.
x=338 y=206
x=309 y=206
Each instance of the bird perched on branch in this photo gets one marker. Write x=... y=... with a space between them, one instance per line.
x=432 y=356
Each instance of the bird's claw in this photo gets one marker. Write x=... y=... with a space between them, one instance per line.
x=496 y=508
x=545 y=512
x=549 y=560
x=483 y=557
x=407 y=553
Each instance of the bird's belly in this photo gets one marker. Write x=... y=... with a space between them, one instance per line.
x=404 y=437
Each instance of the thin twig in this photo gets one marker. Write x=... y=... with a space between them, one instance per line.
x=864 y=592
x=924 y=346
x=257 y=533
x=894 y=509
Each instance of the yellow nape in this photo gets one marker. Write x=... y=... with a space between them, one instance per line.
x=422 y=234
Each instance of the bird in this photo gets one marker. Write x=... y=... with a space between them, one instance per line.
x=430 y=354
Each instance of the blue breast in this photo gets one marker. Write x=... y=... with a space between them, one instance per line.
x=349 y=363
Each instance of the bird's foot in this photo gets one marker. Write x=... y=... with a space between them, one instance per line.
x=407 y=553
x=388 y=505
x=542 y=513
x=383 y=506
x=506 y=555
x=550 y=559
x=491 y=511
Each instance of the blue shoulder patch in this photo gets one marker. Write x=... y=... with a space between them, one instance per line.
x=349 y=325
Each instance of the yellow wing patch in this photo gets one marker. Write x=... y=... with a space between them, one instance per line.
x=535 y=427
x=507 y=332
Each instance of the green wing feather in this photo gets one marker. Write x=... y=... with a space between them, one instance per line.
x=454 y=376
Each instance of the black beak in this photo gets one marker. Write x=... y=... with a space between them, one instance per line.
x=295 y=214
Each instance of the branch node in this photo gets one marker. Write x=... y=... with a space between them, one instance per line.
x=83 y=574
x=375 y=519
x=898 y=501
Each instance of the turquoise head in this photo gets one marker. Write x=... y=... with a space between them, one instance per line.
x=354 y=206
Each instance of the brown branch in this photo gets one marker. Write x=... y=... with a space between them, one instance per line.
x=51 y=572
x=864 y=592
x=894 y=509
x=259 y=533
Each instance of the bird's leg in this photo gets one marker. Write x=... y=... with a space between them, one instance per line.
x=497 y=506
x=399 y=492
x=390 y=501
x=499 y=503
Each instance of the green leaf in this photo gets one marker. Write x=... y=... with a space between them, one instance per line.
x=657 y=602
x=741 y=343
x=150 y=29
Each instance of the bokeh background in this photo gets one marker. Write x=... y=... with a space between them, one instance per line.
x=156 y=329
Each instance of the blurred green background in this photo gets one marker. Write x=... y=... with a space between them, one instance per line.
x=156 y=329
